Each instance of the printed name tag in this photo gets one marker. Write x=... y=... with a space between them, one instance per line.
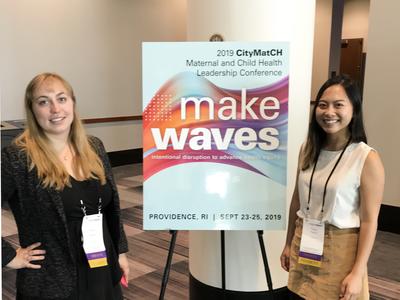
x=312 y=242
x=93 y=242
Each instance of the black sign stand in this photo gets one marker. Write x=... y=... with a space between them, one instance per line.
x=223 y=265
x=168 y=264
x=265 y=260
x=264 y=256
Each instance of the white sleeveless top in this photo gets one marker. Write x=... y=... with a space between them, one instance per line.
x=342 y=200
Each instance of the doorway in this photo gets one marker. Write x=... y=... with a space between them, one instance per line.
x=352 y=59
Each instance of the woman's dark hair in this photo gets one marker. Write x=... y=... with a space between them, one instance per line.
x=316 y=135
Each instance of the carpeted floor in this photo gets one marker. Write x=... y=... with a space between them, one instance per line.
x=148 y=251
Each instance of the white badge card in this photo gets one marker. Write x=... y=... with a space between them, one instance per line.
x=93 y=242
x=312 y=242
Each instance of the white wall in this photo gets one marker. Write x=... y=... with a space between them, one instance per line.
x=355 y=20
x=381 y=92
x=322 y=39
x=94 y=44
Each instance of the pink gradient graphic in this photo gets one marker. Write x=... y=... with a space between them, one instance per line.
x=164 y=111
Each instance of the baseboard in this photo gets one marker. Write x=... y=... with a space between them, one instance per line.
x=125 y=157
x=389 y=219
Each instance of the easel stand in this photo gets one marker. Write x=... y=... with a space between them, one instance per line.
x=265 y=261
x=168 y=264
x=223 y=265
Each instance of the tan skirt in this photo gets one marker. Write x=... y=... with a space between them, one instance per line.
x=340 y=249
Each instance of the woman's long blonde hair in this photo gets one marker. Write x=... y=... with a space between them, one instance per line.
x=86 y=163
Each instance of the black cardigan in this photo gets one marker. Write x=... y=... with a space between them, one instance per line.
x=40 y=217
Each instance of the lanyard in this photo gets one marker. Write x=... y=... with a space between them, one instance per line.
x=329 y=177
x=83 y=207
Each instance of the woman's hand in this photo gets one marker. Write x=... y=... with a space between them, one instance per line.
x=285 y=258
x=351 y=287
x=124 y=265
x=25 y=256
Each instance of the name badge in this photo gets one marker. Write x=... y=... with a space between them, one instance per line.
x=312 y=242
x=93 y=242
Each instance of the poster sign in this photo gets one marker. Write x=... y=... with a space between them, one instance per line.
x=215 y=124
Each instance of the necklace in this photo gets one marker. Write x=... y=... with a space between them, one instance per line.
x=67 y=153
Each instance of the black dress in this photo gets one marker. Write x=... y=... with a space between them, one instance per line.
x=92 y=283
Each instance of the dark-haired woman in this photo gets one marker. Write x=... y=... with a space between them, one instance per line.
x=335 y=205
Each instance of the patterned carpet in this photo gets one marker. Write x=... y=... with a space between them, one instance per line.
x=148 y=251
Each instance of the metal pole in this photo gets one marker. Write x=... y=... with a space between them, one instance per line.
x=223 y=278
x=168 y=264
x=265 y=260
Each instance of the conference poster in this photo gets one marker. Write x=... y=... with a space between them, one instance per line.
x=215 y=132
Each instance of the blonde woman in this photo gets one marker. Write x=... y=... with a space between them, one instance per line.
x=59 y=185
x=335 y=205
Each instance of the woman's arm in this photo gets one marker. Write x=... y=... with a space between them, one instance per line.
x=7 y=190
x=21 y=257
x=294 y=207
x=371 y=194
